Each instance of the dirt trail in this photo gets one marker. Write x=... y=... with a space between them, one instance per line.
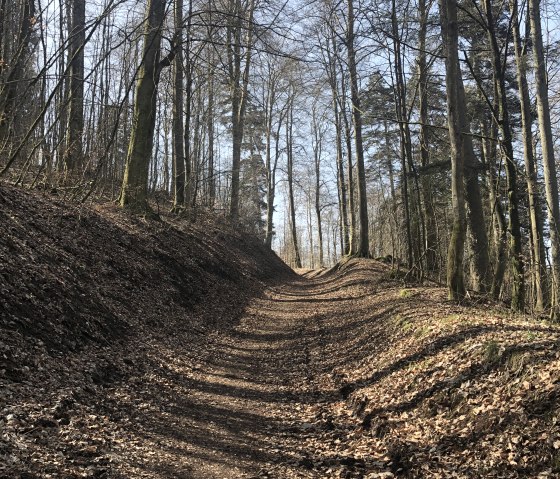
x=350 y=375
x=240 y=403
x=133 y=349
x=344 y=375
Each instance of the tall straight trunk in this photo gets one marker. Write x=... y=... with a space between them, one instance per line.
x=430 y=229
x=210 y=133
x=270 y=193
x=8 y=90
x=270 y=164
x=394 y=212
x=239 y=81
x=210 y=117
x=196 y=152
x=135 y=180
x=2 y=33
x=271 y=186
x=166 y=155
x=406 y=206
x=499 y=229
x=403 y=145
x=62 y=94
x=187 y=142
x=476 y=225
x=514 y=227
x=317 y=162
x=363 y=245
x=74 y=133
x=537 y=242
x=414 y=223
x=178 y=112
x=311 y=263
x=352 y=227
x=290 y=165
x=455 y=253
x=341 y=182
x=547 y=147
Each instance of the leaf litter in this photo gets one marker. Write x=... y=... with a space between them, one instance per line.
x=133 y=348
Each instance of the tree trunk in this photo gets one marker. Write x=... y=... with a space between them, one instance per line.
x=515 y=247
x=178 y=126
x=480 y=264
x=210 y=133
x=499 y=229
x=547 y=147
x=8 y=90
x=73 y=154
x=317 y=161
x=430 y=233
x=455 y=253
x=135 y=181
x=272 y=165
x=239 y=80
x=290 y=165
x=537 y=242
x=351 y=184
x=188 y=142
x=341 y=182
x=363 y=245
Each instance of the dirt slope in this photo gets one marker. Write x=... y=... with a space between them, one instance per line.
x=85 y=292
x=342 y=374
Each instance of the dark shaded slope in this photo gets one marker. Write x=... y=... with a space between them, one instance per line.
x=93 y=301
x=72 y=275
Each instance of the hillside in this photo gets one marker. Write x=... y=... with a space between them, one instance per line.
x=163 y=349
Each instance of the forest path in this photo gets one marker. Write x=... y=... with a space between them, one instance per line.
x=241 y=404
x=133 y=349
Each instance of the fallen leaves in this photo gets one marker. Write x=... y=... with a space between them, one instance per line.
x=114 y=362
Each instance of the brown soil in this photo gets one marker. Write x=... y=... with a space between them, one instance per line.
x=132 y=349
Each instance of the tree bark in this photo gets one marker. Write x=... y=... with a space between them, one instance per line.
x=8 y=90
x=547 y=147
x=430 y=233
x=341 y=182
x=476 y=225
x=178 y=112
x=506 y=143
x=135 y=180
x=363 y=245
x=317 y=162
x=239 y=80
x=455 y=253
x=210 y=133
x=290 y=168
x=73 y=154
x=405 y=147
x=537 y=242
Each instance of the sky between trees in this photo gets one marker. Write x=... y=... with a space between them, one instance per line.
x=325 y=128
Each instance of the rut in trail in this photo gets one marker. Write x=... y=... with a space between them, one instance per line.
x=255 y=401
x=349 y=374
x=240 y=405
x=162 y=350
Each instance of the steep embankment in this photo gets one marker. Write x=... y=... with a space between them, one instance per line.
x=87 y=296
x=71 y=276
x=346 y=373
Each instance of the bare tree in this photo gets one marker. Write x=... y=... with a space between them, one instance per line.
x=449 y=30
x=134 y=192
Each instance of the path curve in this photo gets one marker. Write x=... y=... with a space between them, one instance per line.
x=246 y=403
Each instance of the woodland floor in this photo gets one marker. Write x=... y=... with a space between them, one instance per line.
x=345 y=373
